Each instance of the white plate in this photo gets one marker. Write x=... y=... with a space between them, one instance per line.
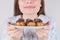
x=30 y=27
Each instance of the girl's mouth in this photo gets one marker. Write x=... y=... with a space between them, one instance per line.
x=30 y=7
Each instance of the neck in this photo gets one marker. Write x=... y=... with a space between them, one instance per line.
x=30 y=16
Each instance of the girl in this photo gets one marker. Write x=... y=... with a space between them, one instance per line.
x=30 y=9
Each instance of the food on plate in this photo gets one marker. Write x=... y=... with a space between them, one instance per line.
x=30 y=22
x=39 y=22
x=20 y=22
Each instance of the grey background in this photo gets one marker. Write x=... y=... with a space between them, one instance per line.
x=52 y=10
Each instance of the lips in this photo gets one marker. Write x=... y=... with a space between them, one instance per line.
x=29 y=7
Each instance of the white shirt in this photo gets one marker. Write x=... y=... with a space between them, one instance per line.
x=52 y=33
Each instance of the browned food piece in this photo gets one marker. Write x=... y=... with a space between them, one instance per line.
x=39 y=22
x=20 y=22
x=30 y=22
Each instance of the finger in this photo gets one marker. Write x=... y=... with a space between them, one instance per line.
x=47 y=27
x=19 y=33
x=39 y=34
x=11 y=27
x=43 y=32
x=15 y=33
x=20 y=29
x=44 y=28
x=12 y=31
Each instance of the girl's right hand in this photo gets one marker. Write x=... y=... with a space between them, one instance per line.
x=14 y=33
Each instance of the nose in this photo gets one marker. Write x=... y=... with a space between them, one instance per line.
x=29 y=1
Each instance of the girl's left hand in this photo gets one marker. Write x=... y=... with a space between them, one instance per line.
x=43 y=33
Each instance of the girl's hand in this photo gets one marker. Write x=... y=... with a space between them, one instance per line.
x=14 y=33
x=43 y=33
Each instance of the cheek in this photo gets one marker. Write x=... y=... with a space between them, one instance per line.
x=38 y=5
x=21 y=6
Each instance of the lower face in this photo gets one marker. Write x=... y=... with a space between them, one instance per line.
x=29 y=6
